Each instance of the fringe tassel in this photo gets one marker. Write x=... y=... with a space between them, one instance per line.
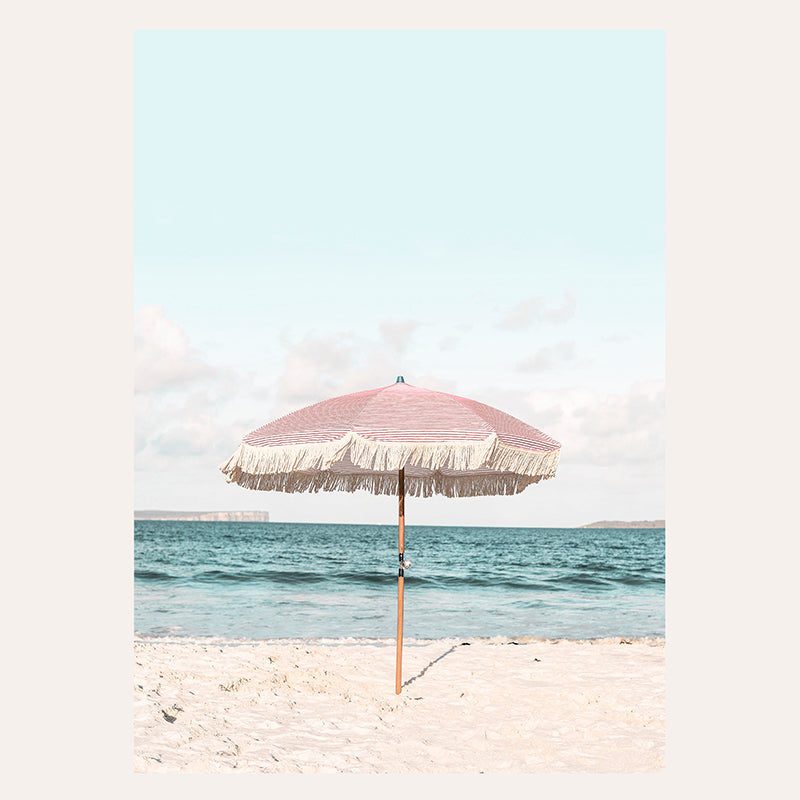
x=494 y=467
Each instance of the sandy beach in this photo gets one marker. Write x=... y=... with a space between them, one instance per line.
x=467 y=706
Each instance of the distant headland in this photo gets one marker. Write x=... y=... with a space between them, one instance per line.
x=205 y=516
x=653 y=523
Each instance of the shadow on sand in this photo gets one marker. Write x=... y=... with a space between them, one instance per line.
x=446 y=653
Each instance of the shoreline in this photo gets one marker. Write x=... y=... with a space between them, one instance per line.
x=409 y=641
x=467 y=705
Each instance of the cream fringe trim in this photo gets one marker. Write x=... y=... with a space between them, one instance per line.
x=304 y=468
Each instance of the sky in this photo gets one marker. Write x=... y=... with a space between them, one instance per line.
x=482 y=212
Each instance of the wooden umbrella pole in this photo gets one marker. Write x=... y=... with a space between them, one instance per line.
x=401 y=494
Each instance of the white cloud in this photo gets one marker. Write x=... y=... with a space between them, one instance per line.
x=617 y=338
x=615 y=430
x=183 y=434
x=182 y=403
x=321 y=366
x=536 y=309
x=396 y=335
x=313 y=367
x=163 y=358
x=193 y=436
x=548 y=358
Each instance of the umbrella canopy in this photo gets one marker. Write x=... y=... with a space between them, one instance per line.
x=446 y=445
x=396 y=439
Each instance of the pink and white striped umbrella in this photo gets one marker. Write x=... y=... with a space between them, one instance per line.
x=446 y=445
x=395 y=440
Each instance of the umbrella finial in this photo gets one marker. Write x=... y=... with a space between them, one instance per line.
x=400 y=379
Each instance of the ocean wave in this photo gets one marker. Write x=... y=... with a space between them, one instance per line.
x=484 y=580
x=289 y=577
x=153 y=575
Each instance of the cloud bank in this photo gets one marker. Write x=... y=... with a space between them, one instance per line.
x=190 y=413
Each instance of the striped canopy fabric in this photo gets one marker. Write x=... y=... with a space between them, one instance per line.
x=445 y=444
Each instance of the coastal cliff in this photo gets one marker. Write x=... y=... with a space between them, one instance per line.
x=205 y=516
x=655 y=523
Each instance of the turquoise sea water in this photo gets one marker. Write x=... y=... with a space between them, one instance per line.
x=288 y=580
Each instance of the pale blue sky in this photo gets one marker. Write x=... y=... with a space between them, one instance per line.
x=482 y=211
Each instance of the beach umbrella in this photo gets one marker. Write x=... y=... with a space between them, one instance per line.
x=397 y=439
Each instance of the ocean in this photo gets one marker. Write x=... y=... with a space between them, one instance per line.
x=276 y=580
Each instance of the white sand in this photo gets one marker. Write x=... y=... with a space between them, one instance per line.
x=492 y=706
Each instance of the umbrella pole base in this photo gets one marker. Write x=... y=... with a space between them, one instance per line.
x=398 y=679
